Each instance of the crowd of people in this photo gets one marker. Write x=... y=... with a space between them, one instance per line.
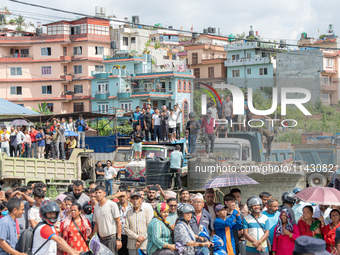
x=47 y=141
x=157 y=222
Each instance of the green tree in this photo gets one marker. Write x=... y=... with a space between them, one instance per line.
x=125 y=129
x=43 y=109
x=104 y=127
x=241 y=36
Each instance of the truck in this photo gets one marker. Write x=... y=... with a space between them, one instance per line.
x=80 y=166
x=134 y=172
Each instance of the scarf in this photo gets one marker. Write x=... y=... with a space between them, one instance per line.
x=85 y=226
x=160 y=208
x=289 y=226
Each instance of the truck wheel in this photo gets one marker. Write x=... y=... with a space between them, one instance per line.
x=317 y=180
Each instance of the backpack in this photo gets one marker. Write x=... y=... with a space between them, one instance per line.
x=25 y=242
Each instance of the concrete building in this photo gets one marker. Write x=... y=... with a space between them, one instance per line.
x=136 y=86
x=54 y=67
x=250 y=64
x=207 y=62
x=300 y=69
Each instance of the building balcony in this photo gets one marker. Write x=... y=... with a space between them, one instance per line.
x=325 y=87
x=65 y=58
x=247 y=62
x=16 y=58
x=152 y=90
x=241 y=46
x=123 y=95
x=66 y=77
x=102 y=95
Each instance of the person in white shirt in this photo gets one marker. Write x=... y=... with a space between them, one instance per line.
x=323 y=210
x=172 y=125
x=110 y=173
x=70 y=126
x=20 y=140
x=5 y=141
x=156 y=126
x=33 y=213
x=178 y=112
x=213 y=110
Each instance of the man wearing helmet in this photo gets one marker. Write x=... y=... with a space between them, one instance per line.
x=256 y=228
x=45 y=237
x=288 y=200
x=192 y=128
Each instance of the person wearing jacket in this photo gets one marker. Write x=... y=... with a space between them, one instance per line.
x=138 y=136
x=81 y=127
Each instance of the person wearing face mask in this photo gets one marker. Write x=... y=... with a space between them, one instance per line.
x=78 y=194
x=3 y=209
x=210 y=128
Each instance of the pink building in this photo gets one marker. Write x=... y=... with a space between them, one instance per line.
x=54 y=68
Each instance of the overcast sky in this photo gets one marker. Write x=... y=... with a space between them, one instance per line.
x=273 y=19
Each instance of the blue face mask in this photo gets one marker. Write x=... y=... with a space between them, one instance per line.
x=4 y=213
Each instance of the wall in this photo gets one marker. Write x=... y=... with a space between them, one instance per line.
x=300 y=69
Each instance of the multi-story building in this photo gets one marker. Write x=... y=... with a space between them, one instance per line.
x=249 y=64
x=207 y=62
x=54 y=67
x=135 y=86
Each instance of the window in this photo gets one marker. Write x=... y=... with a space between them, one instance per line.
x=77 y=50
x=78 y=69
x=326 y=80
x=329 y=62
x=21 y=105
x=16 y=90
x=179 y=87
x=248 y=71
x=263 y=71
x=236 y=73
x=103 y=88
x=197 y=73
x=103 y=108
x=189 y=86
x=46 y=70
x=49 y=106
x=16 y=71
x=125 y=41
x=194 y=58
x=133 y=39
x=249 y=55
x=99 y=68
x=126 y=106
x=75 y=30
x=78 y=89
x=170 y=87
x=235 y=57
x=184 y=86
x=211 y=72
x=99 y=50
x=78 y=107
x=46 y=89
x=325 y=97
x=46 y=51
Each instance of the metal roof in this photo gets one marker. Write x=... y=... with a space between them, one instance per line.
x=8 y=109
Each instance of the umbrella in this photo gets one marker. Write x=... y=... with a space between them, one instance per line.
x=320 y=195
x=19 y=122
x=70 y=133
x=227 y=180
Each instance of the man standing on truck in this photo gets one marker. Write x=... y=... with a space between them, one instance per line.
x=175 y=165
x=192 y=129
x=40 y=137
x=5 y=141
x=210 y=127
x=178 y=112
x=156 y=126
x=135 y=118
x=81 y=127
x=269 y=136
x=165 y=115
x=147 y=119
x=55 y=143
x=33 y=134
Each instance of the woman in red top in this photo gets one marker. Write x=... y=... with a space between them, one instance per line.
x=77 y=240
x=285 y=234
x=306 y=222
x=329 y=231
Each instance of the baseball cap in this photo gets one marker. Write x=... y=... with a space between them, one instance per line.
x=135 y=194
x=219 y=207
x=307 y=244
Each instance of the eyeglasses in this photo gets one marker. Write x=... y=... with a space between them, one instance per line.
x=172 y=205
x=198 y=202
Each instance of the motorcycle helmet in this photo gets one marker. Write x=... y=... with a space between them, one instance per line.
x=46 y=207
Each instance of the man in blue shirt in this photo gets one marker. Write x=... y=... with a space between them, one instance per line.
x=175 y=165
x=135 y=118
x=81 y=127
x=273 y=216
x=8 y=233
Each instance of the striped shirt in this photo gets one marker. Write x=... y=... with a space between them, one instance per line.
x=136 y=224
x=158 y=236
x=255 y=230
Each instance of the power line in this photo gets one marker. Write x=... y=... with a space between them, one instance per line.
x=172 y=29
